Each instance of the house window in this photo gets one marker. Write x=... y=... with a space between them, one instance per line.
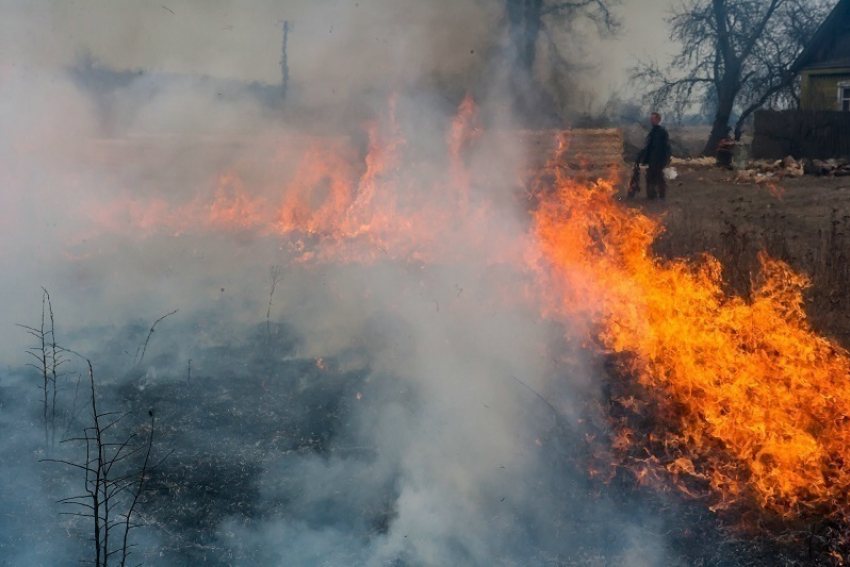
x=844 y=96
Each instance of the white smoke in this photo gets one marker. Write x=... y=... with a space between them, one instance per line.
x=444 y=455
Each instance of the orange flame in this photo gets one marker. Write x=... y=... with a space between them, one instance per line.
x=318 y=197
x=233 y=208
x=462 y=134
x=751 y=403
x=756 y=404
x=393 y=208
x=398 y=208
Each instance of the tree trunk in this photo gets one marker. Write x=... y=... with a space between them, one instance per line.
x=718 y=132
x=284 y=62
x=727 y=68
x=525 y=22
x=725 y=104
x=533 y=23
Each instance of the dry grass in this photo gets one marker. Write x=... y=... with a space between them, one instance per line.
x=808 y=227
x=806 y=223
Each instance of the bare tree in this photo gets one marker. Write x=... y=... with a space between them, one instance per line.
x=111 y=491
x=532 y=24
x=735 y=58
x=48 y=359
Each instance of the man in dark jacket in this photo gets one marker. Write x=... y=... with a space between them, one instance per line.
x=655 y=155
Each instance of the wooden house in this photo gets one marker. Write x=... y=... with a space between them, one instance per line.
x=824 y=65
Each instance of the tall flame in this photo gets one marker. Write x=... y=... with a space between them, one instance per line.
x=464 y=130
x=751 y=401
x=320 y=193
x=393 y=207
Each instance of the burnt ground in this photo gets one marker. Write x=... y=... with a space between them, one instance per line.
x=262 y=406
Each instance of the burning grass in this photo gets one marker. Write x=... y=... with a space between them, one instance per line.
x=747 y=404
x=821 y=251
x=750 y=400
x=728 y=391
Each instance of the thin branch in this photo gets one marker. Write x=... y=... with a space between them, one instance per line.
x=135 y=501
x=274 y=276
x=557 y=414
x=145 y=347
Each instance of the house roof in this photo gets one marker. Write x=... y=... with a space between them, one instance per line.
x=822 y=35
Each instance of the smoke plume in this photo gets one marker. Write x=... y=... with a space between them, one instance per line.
x=322 y=398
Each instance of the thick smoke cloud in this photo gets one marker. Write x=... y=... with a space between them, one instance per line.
x=406 y=427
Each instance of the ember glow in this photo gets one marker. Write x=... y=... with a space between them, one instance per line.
x=751 y=405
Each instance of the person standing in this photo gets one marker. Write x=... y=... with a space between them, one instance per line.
x=655 y=155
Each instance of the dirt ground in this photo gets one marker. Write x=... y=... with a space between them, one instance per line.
x=804 y=221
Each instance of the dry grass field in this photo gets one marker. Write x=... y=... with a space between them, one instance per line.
x=804 y=221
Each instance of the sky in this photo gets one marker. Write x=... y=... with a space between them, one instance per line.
x=335 y=39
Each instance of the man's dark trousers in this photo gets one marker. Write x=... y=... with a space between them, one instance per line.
x=656 y=185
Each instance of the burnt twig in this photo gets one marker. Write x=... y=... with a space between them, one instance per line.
x=144 y=347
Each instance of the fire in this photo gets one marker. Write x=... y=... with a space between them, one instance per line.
x=463 y=132
x=750 y=402
x=375 y=209
x=334 y=205
x=233 y=208
x=320 y=193
x=394 y=208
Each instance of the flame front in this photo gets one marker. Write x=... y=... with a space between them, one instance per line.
x=750 y=400
x=393 y=209
x=749 y=403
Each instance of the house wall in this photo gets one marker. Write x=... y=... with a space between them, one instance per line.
x=819 y=88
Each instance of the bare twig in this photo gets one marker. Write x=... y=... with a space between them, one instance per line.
x=142 y=474
x=46 y=353
x=109 y=496
x=144 y=347
x=274 y=277
x=558 y=416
